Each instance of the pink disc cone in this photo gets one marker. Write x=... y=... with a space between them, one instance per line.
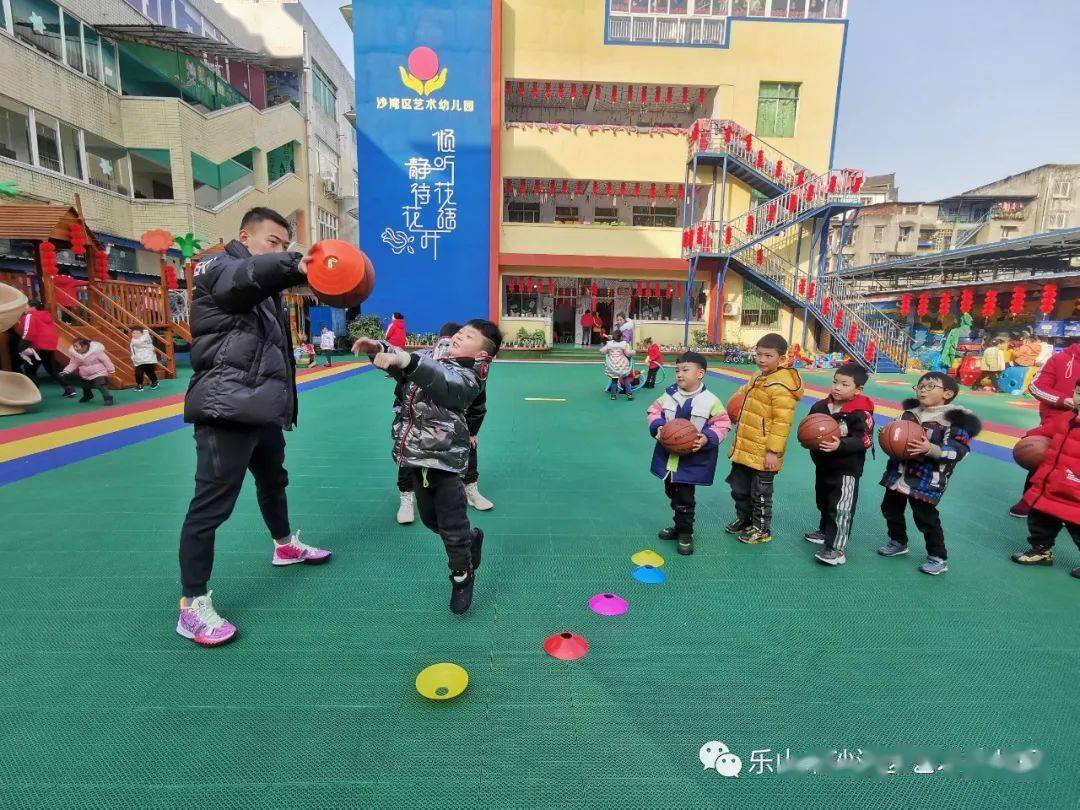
x=566 y=646
x=608 y=604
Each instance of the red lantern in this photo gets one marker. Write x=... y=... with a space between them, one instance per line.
x=670 y=292
x=656 y=95
x=565 y=187
x=832 y=183
x=857 y=184
x=944 y=305
x=580 y=187
x=685 y=243
x=573 y=91
x=802 y=287
x=811 y=190
x=749 y=223
x=638 y=293
x=636 y=191
x=800 y=178
x=551 y=286
x=810 y=290
x=560 y=91
x=686 y=95
x=551 y=187
x=537 y=188
x=923 y=306
x=170 y=278
x=596 y=188
x=77 y=237
x=1049 y=298
x=989 y=304
x=667 y=191
x=699 y=235
x=967 y=298
x=614 y=96
x=852 y=334
x=838 y=320
x=509 y=187
x=47 y=252
x=728 y=132
x=644 y=94
x=905 y=305
x=547 y=91
x=770 y=214
x=670 y=95
x=521 y=89
x=701 y=96
x=759 y=162
x=792 y=202
x=622 y=189
x=779 y=170
x=522 y=187
x=629 y=93
x=727 y=235
x=652 y=192
x=748 y=142
x=1019 y=296
x=826 y=306
x=594 y=290
x=609 y=190
x=534 y=91
x=760 y=256
x=871 y=351
x=101 y=261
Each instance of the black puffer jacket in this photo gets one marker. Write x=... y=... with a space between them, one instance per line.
x=241 y=344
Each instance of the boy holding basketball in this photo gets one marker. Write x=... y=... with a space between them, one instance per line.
x=761 y=434
x=838 y=462
x=681 y=473
x=921 y=478
x=431 y=437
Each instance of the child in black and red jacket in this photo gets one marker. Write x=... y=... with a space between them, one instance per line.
x=839 y=462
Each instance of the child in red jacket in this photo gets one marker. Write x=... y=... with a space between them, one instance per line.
x=1054 y=494
x=656 y=361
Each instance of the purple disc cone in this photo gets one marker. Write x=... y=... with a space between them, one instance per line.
x=608 y=604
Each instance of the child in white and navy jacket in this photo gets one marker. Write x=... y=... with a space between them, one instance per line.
x=688 y=399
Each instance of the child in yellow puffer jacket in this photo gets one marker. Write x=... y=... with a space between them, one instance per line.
x=761 y=435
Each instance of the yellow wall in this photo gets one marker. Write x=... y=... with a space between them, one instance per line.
x=564 y=39
x=591 y=240
x=509 y=326
x=790 y=326
x=664 y=333
x=580 y=154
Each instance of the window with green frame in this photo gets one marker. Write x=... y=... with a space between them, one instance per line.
x=281 y=161
x=778 y=104
x=759 y=308
x=324 y=92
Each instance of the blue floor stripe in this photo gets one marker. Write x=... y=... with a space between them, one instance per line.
x=19 y=468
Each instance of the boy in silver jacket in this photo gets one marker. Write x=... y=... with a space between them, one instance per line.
x=431 y=437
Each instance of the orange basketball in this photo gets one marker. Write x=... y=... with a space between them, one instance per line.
x=734 y=406
x=817 y=428
x=894 y=437
x=1030 y=451
x=678 y=436
x=340 y=274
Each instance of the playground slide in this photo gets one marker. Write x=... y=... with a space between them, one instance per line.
x=17 y=392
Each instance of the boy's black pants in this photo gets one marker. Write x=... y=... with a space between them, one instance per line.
x=837 y=496
x=88 y=386
x=650 y=380
x=471 y=475
x=1043 y=529
x=223 y=457
x=752 y=491
x=440 y=500
x=145 y=370
x=927 y=521
x=682 y=504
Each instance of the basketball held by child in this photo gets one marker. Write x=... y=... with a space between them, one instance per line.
x=816 y=429
x=734 y=406
x=339 y=274
x=895 y=437
x=1030 y=452
x=679 y=436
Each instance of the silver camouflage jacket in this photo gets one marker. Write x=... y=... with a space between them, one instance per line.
x=429 y=428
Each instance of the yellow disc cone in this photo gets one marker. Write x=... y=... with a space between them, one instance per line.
x=442 y=681
x=647 y=557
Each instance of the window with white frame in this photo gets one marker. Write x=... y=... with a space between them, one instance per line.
x=517 y=211
x=323 y=91
x=15 y=131
x=1062 y=189
x=327 y=160
x=1056 y=220
x=328 y=225
x=879 y=233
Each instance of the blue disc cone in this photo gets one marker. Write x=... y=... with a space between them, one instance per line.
x=649 y=575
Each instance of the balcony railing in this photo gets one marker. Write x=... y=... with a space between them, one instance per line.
x=721 y=135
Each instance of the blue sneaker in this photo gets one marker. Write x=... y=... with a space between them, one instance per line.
x=893 y=549
x=934 y=566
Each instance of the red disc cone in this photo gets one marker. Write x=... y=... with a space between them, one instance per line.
x=566 y=646
x=339 y=274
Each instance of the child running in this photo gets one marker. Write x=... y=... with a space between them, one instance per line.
x=89 y=367
x=431 y=437
x=687 y=399
x=922 y=480
x=761 y=435
x=838 y=463
x=1054 y=494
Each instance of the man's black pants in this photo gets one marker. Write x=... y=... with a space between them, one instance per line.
x=752 y=491
x=1043 y=529
x=223 y=457
x=682 y=504
x=51 y=368
x=471 y=476
x=927 y=521
x=440 y=500
x=837 y=496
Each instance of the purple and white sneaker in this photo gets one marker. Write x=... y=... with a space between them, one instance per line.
x=202 y=624
x=296 y=552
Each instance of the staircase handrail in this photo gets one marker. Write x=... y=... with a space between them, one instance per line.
x=119 y=326
x=725 y=135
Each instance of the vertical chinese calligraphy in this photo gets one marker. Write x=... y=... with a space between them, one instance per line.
x=431 y=186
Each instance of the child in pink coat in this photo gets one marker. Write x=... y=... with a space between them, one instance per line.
x=90 y=368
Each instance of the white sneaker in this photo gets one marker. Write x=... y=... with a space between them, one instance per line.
x=405 y=512
x=476 y=500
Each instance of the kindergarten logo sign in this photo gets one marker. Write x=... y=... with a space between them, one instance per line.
x=424 y=75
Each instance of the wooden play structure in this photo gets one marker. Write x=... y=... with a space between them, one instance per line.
x=17 y=393
x=100 y=309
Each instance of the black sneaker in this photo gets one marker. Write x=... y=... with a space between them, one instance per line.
x=817 y=538
x=477 y=547
x=686 y=544
x=736 y=526
x=85 y=398
x=630 y=397
x=138 y=388
x=614 y=397
x=1036 y=555
x=670 y=533
x=461 y=592
x=1075 y=572
x=154 y=387
x=110 y=402
x=69 y=394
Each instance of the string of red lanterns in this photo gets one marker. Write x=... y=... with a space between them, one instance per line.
x=599 y=188
x=660 y=95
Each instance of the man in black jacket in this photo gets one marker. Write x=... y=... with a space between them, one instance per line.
x=240 y=399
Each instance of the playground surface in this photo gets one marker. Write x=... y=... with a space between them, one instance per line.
x=314 y=703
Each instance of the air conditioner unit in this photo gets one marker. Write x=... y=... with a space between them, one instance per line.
x=329 y=186
x=731 y=308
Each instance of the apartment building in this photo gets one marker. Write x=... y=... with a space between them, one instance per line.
x=167 y=114
x=612 y=121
